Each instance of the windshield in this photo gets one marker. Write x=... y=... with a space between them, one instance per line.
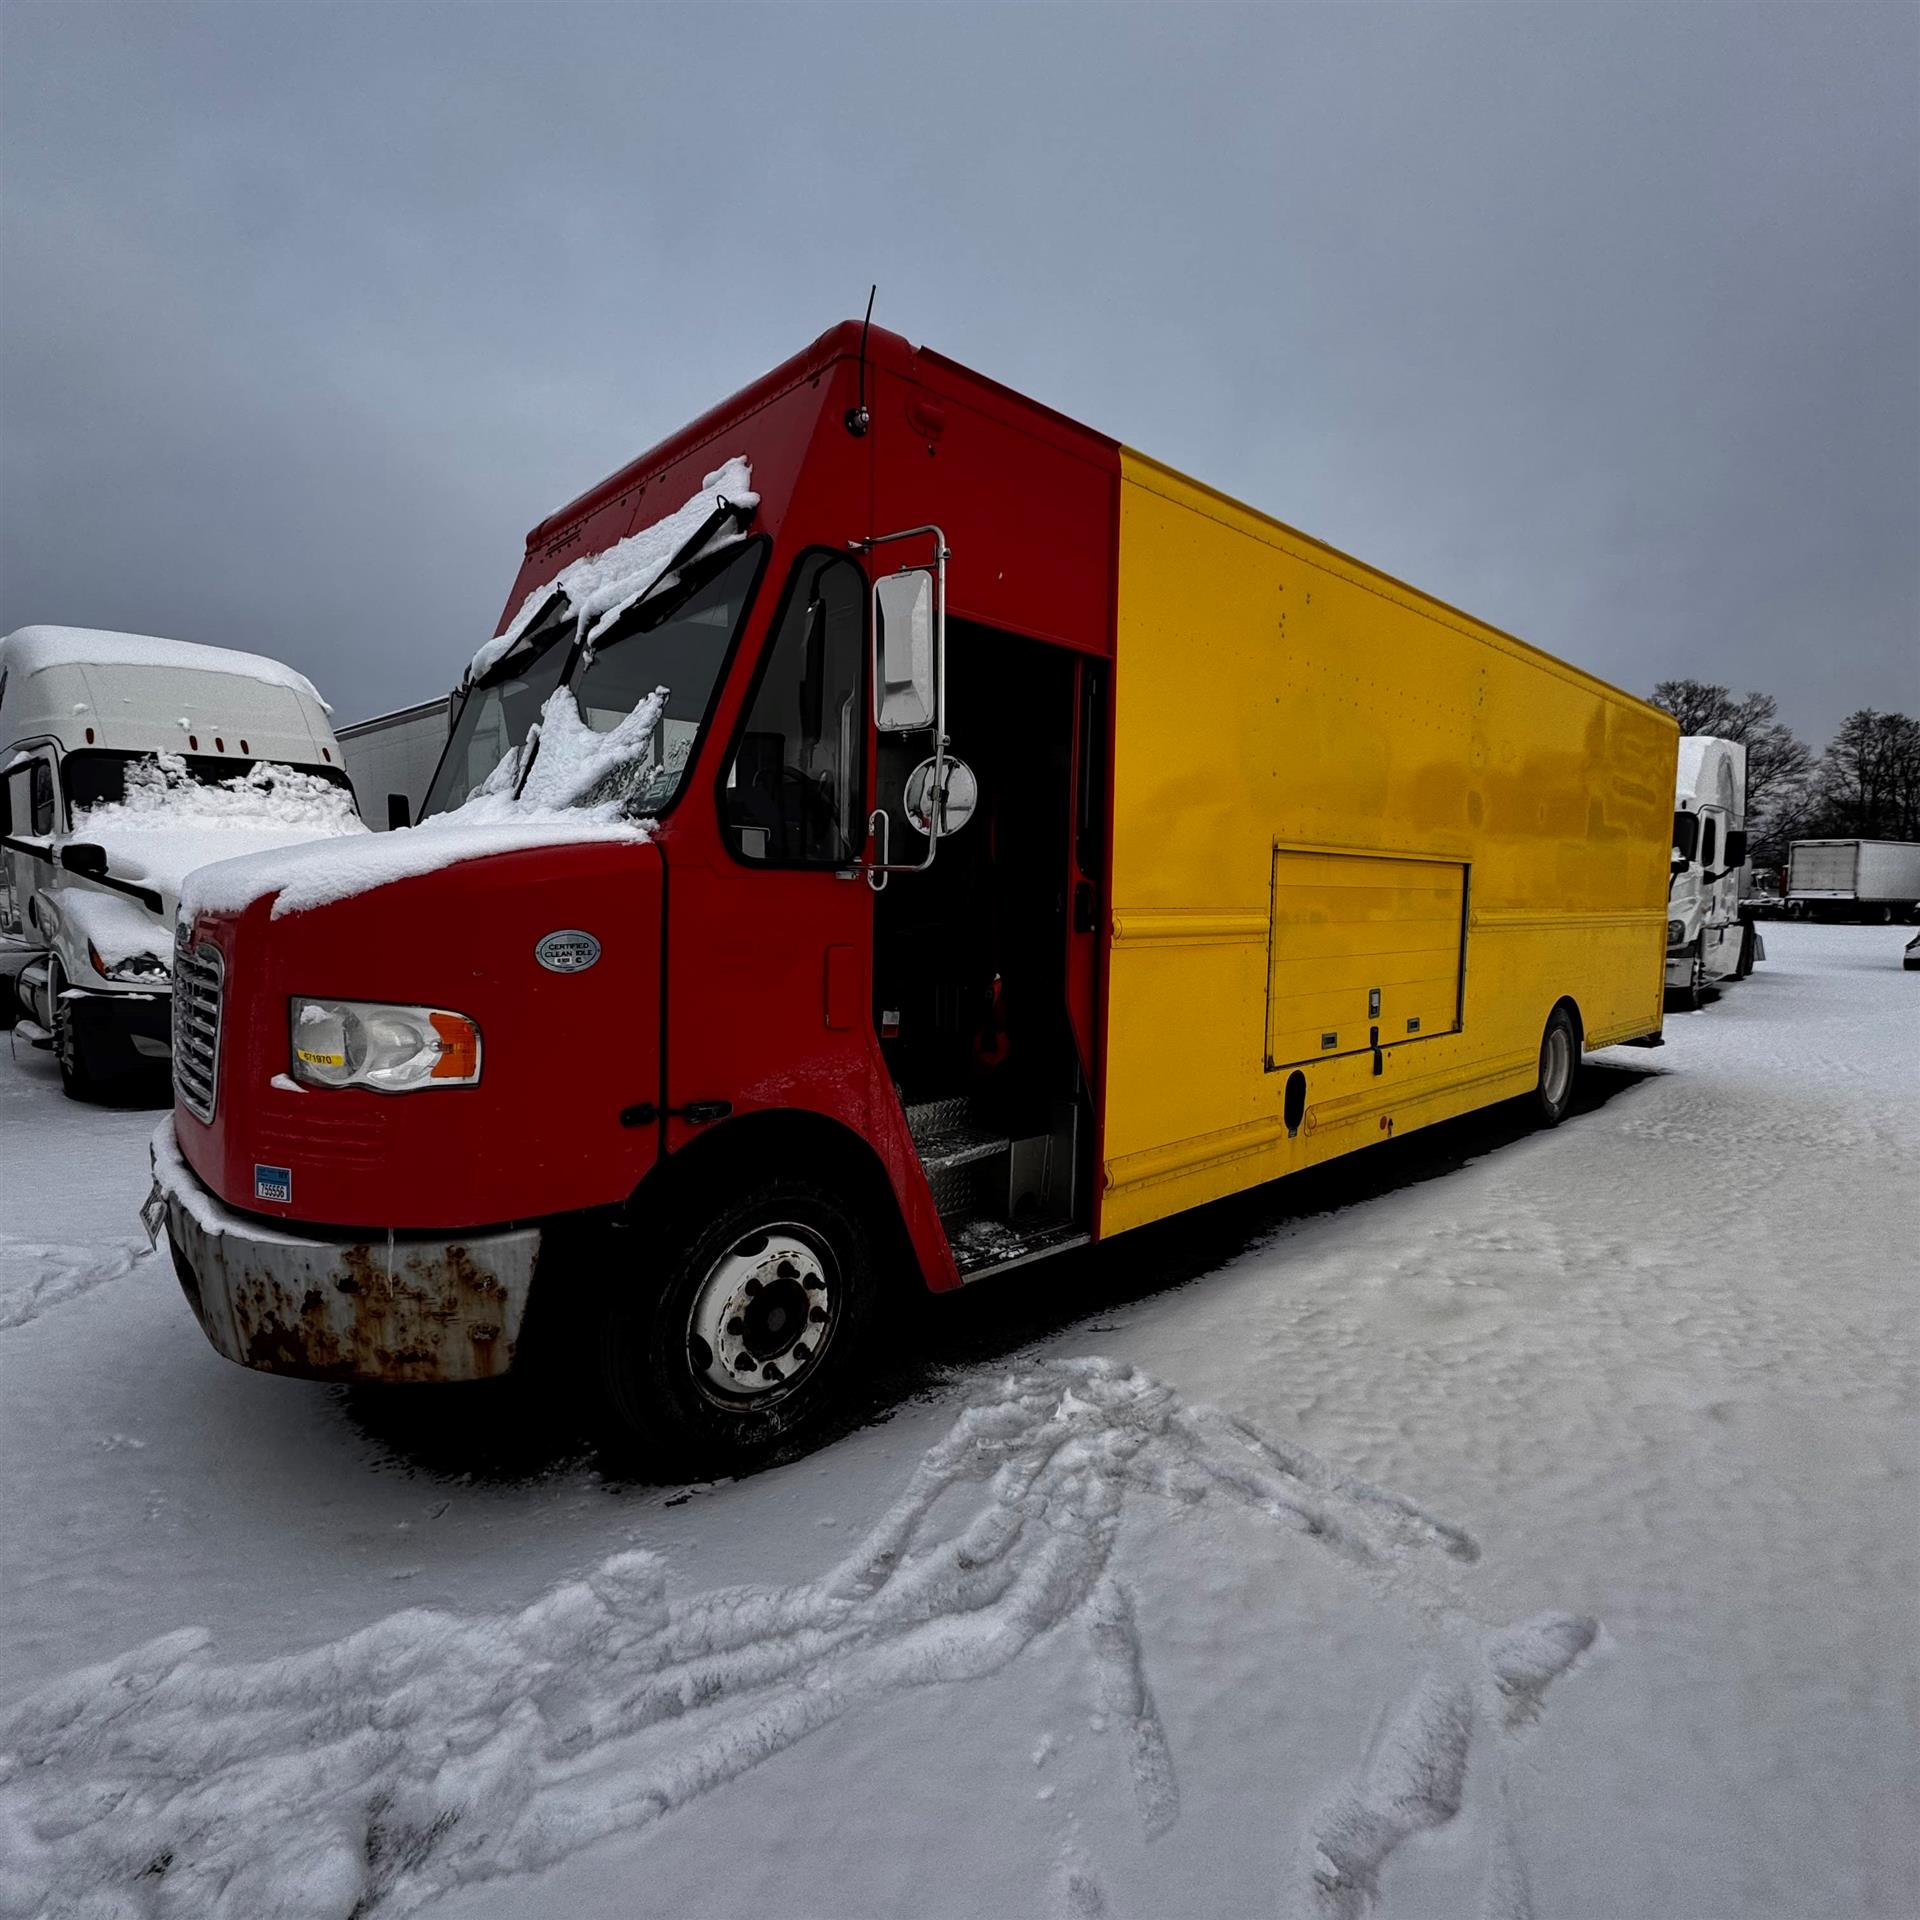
x=675 y=640
x=96 y=777
x=1686 y=834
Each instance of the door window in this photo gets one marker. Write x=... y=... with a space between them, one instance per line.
x=793 y=793
x=1709 y=841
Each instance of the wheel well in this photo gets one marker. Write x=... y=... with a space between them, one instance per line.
x=1573 y=1013
x=796 y=1142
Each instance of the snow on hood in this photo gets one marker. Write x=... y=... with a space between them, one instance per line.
x=169 y=823
x=601 y=586
x=574 y=791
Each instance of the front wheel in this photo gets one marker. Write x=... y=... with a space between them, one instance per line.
x=78 y=1081
x=1559 y=1067
x=733 y=1335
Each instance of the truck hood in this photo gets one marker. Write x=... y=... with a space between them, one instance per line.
x=161 y=856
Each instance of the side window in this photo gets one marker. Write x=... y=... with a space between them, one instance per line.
x=793 y=795
x=1709 y=840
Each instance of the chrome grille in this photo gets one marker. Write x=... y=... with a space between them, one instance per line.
x=198 y=974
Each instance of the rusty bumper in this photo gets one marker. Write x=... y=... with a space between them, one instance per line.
x=388 y=1308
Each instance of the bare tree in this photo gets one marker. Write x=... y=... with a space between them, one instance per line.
x=1870 y=777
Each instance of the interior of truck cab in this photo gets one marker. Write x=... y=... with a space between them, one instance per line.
x=978 y=968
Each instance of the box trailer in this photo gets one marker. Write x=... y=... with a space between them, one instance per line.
x=392 y=757
x=896 y=834
x=1876 y=880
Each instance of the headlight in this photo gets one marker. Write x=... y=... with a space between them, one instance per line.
x=145 y=967
x=367 y=1043
x=1676 y=933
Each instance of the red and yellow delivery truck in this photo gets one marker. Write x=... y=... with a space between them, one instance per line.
x=960 y=838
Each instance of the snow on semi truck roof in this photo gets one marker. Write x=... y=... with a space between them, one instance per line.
x=136 y=692
x=1712 y=772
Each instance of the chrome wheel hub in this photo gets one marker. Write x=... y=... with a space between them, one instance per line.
x=763 y=1314
x=1556 y=1066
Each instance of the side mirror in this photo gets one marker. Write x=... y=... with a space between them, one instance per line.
x=1736 y=853
x=84 y=858
x=399 y=811
x=949 y=805
x=905 y=670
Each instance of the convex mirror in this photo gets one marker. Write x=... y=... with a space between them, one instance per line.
x=956 y=803
x=903 y=678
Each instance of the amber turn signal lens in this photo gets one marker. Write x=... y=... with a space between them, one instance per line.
x=459 y=1047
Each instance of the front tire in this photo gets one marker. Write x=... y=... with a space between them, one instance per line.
x=77 y=1080
x=1559 y=1068
x=735 y=1333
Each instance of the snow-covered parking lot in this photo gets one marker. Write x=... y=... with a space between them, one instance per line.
x=1507 y=1524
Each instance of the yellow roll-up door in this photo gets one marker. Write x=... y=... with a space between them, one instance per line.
x=1361 y=945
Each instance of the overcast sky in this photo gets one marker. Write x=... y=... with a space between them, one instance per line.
x=1602 y=321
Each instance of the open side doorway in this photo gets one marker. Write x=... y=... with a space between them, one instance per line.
x=986 y=965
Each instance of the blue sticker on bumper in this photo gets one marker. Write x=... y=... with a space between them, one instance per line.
x=273 y=1183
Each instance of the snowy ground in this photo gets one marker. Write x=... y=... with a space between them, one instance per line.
x=1502 y=1524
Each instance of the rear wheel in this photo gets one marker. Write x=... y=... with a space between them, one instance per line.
x=1559 y=1067
x=743 y=1331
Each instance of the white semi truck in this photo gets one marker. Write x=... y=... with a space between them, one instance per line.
x=1711 y=936
x=125 y=762
x=1874 y=880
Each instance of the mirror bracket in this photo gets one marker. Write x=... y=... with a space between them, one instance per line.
x=876 y=871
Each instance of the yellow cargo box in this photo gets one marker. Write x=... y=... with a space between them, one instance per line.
x=1363 y=846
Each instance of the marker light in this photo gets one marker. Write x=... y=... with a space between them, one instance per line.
x=391 y=1049
x=145 y=967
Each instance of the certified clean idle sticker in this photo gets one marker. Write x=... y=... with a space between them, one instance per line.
x=568 y=951
x=273 y=1183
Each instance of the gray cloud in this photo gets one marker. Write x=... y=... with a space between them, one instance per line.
x=1601 y=321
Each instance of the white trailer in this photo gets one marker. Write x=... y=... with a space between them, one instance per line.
x=1877 y=880
x=392 y=757
x=1711 y=936
x=125 y=762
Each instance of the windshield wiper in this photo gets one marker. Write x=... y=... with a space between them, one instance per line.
x=667 y=578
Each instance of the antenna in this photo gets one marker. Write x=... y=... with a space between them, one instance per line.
x=858 y=418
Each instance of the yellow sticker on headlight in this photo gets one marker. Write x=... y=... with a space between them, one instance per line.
x=320 y=1059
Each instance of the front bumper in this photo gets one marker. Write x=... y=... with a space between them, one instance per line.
x=121 y=1033
x=389 y=1309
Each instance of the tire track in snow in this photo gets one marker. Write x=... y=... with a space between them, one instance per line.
x=433 y=1750
x=36 y=1275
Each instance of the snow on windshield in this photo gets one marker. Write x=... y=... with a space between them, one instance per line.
x=567 y=785
x=169 y=822
x=162 y=790
x=601 y=586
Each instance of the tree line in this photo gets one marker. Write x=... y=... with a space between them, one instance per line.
x=1866 y=783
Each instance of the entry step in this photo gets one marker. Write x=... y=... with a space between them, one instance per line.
x=33 y=1033
x=984 y=1246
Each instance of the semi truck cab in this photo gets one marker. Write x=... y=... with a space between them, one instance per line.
x=125 y=761
x=1711 y=936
